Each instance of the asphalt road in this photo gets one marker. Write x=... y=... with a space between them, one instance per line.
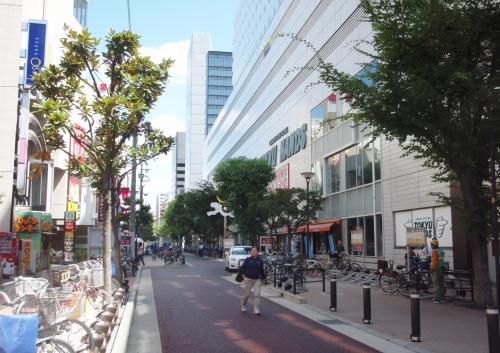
x=198 y=312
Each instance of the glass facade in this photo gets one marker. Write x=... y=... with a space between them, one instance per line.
x=219 y=84
x=350 y=178
x=324 y=117
x=80 y=11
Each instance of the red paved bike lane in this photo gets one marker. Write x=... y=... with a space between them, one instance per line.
x=198 y=311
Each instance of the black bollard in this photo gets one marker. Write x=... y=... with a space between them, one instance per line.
x=492 y=321
x=333 y=294
x=275 y=276
x=415 y=317
x=367 y=306
x=294 y=284
x=323 y=279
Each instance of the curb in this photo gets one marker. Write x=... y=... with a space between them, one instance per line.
x=125 y=323
x=294 y=298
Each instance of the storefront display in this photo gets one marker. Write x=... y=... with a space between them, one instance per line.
x=8 y=253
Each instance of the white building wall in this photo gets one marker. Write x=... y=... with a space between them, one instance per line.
x=10 y=37
x=266 y=100
x=196 y=107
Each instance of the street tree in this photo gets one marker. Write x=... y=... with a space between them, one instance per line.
x=432 y=85
x=293 y=210
x=111 y=93
x=187 y=214
x=242 y=183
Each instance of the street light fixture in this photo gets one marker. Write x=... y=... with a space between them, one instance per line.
x=307 y=176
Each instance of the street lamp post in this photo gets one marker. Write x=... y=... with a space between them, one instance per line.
x=307 y=176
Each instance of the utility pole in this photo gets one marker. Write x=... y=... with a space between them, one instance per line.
x=131 y=224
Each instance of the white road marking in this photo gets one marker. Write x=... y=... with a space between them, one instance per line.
x=184 y=276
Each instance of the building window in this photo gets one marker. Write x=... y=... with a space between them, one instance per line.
x=317 y=117
x=364 y=235
x=317 y=179
x=353 y=162
x=38 y=186
x=80 y=11
x=334 y=174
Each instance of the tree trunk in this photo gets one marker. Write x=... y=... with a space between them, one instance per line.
x=106 y=240
x=116 y=237
x=477 y=233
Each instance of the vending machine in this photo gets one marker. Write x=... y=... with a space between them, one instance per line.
x=8 y=253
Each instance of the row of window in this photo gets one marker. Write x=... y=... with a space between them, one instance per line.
x=220 y=60
x=214 y=109
x=220 y=81
x=220 y=90
x=364 y=236
x=355 y=166
x=216 y=100
x=324 y=117
x=220 y=71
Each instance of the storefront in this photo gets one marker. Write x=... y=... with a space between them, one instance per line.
x=34 y=230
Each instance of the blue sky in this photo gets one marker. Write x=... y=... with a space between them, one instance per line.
x=165 y=27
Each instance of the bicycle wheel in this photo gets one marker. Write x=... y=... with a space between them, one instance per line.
x=388 y=283
x=354 y=267
x=53 y=345
x=405 y=284
x=453 y=284
x=75 y=333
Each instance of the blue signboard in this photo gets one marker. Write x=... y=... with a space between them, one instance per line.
x=36 y=49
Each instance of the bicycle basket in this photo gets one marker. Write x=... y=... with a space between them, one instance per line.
x=29 y=285
x=97 y=277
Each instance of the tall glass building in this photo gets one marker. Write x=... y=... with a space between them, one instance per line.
x=219 y=83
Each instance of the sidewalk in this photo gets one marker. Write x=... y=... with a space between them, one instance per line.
x=144 y=332
x=445 y=328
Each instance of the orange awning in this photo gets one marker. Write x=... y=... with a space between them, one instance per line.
x=319 y=226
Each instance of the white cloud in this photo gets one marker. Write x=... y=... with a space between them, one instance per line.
x=177 y=51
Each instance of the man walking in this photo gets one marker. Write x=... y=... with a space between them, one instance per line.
x=253 y=275
x=437 y=264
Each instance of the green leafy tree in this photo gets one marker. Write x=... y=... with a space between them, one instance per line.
x=293 y=210
x=187 y=214
x=435 y=90
x=242 y=183
x=111 y=115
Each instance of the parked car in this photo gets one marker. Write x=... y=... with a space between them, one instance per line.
x=236 y=255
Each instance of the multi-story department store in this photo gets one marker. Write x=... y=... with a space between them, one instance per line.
x=370 y=192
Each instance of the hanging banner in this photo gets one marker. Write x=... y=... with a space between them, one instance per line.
x=36 y=49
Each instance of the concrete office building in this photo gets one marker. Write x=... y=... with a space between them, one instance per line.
x=370 y=192
x=179 y=163
x=196 y=109
x=209 y=85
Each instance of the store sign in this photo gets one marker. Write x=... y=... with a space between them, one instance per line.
x=27 y=253
x=27 y=222
x=289 y=146
x=416 y=237
x=281 y=178
x=69 y=241
x=436 y=222
x=36 y=49
x=294 y=143
x=69 y=226
x=357 y=239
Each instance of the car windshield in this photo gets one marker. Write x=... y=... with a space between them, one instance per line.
x=240 y=251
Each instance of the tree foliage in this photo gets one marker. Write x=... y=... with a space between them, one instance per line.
x=187 y=214
x=242 y=183
x=432 y=84
x=109 y=117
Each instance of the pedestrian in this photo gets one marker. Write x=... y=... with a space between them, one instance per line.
x=253 y=276
x=437 y=264
x=140 y=255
